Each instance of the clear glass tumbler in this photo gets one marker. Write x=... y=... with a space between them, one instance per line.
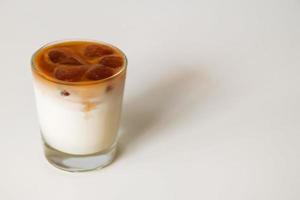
x=79 y=121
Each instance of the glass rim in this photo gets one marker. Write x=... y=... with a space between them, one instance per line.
x=42 y=75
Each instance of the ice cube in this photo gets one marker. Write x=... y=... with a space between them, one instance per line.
x=71 y=73
x=112 y=61
x=98 y=72
x=92 y=51
x=62 y=57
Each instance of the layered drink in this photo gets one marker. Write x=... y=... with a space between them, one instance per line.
x=79 y=89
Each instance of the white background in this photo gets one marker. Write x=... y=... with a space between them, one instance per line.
x=212 y=103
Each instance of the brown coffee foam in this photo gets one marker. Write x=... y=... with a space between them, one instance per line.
x=66 y=57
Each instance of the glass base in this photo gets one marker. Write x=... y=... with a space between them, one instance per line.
x=79 y=163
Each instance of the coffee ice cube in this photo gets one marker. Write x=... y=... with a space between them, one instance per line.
x=71 y=73
x=112 y=61
x=62 y=57
x=98 y=72
x=93 y=51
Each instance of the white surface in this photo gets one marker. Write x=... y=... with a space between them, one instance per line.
x=212 y=104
